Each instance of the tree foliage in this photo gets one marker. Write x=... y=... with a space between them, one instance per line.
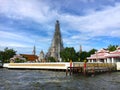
x=17 y=60
x=83 y=55
x=92 y=51
x=51 y=59
x=112 y=47
x=7 y=54
x=68 y=54
x=1 y=57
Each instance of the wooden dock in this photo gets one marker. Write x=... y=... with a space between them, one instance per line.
x=90 y=68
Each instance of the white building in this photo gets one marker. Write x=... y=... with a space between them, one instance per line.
x=17 y=57
x=105 y=56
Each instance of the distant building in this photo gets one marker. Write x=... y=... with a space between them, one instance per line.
x=80 y=48
x=17 y=57
x=34 y=50
x=105 y=56
x=30 y=57
x=41 y=56
x=57 y=44
x=27 y=57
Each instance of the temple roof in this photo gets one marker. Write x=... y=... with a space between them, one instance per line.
x=104 y=53
x=30 y=57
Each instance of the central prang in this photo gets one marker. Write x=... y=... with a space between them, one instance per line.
x=56 y=45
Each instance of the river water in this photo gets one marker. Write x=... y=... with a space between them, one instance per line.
x=54 y=80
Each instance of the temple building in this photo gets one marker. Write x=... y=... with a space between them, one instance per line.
x=105 y=56
x=57 y=44
x=80 y=48
x=28 y=57
x=41 y=56
x=34 y=50
x=18 y=56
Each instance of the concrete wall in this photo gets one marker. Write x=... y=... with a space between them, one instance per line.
x=5 y=65
x=60 y=65
x=118 y=65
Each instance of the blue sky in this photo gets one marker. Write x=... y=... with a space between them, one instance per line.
x=90 y=23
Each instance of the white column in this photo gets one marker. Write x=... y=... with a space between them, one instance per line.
x=112 y=60
x=92 y=60
x=88 y=60
x=108 y=60
x=104 y=60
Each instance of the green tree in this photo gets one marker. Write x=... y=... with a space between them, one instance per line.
x=68 y=54
x=83 y=56
x=51 y=59
x=112 y=47
x=1 y=57
x=92 y=51
x=7 y=54
x=17 y=60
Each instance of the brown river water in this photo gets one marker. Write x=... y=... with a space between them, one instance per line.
x=56 y=80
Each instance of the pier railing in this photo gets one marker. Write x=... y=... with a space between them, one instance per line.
x=100 y=67
x=91 y=68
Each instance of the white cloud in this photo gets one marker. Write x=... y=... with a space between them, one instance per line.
x=35 y=10
x=8 y=43
x=115 y=33
x=94 y=23
x=41 y=12
x=98 y=23
x=14 y=36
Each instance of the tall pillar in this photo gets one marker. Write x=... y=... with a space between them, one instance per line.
x=89 y=60
x=92 y=60
x=112 y=60
x=105 y=61
x=34 y=50
x=108 y=60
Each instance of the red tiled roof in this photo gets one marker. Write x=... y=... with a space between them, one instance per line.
x=30 y=57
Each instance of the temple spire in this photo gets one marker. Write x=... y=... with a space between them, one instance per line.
x=34 y=50
x=80 y=48
x=57 y=43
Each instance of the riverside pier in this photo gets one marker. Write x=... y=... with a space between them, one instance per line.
x=91 y=68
